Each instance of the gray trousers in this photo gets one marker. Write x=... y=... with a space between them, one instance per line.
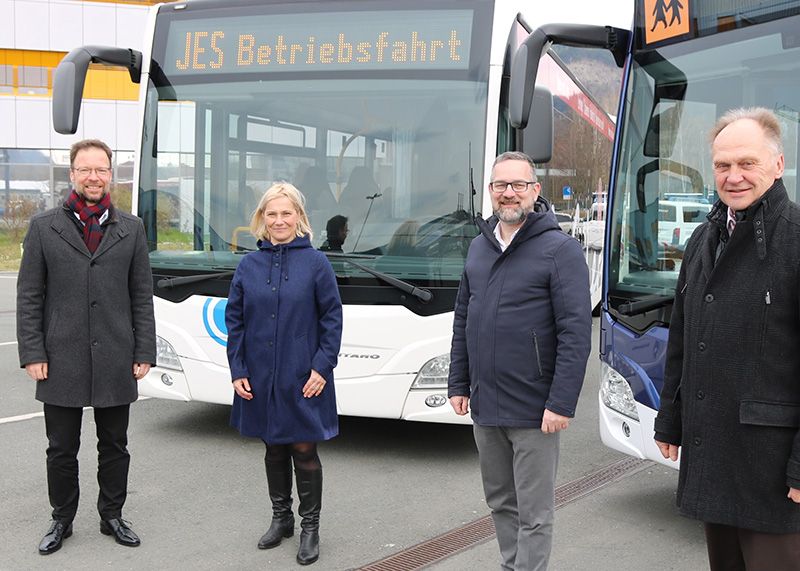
x=518 y=468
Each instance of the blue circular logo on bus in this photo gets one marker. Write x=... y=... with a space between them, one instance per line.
x=214 y=320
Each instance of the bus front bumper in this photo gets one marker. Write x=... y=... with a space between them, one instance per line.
x=629 y=436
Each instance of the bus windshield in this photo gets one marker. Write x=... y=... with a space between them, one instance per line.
x=664 y=178
x=377 y=116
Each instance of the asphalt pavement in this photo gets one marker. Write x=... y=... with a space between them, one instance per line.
x=197 y=493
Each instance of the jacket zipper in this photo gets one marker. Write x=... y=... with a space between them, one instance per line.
x=536 y=349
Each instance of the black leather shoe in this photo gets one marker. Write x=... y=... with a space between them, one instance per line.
x=121 y=531
x=308 y=552
x=52 y=540
x=278 y=529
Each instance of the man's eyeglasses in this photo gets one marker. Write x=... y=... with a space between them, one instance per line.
x=516 y=185
x=85 y=171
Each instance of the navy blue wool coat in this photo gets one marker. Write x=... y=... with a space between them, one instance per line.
x=284 y=318
x=523 y=324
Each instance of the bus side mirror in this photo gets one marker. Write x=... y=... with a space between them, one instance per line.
x=70 y=77
x=537 y=137
x=525 y=65
x=524 y=68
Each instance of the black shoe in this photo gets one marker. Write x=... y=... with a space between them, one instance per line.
x=308 y=552
x=121 y=531
x=309 y=489
x=279 y=479
x=58 y=532
x=278 y=529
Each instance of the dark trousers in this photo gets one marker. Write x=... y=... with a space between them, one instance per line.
x=63 y=426
x=736 y=549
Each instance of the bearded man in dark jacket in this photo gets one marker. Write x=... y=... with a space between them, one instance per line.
x=521 y=339
x=731 y=395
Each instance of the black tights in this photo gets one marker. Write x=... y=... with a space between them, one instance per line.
x=304 y=455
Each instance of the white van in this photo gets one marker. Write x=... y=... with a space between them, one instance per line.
x=677 y=220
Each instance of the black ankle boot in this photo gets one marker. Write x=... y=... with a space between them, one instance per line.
x=309 y=489
x=279 y=479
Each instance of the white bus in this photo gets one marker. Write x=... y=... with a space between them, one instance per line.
x=387 y=113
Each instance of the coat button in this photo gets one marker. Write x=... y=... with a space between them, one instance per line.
x=93 y=304
x=697 y=441
x=94 y=343
x=276 y=264
x=270 y=343
x=92 y=264
x=709 y=297
x=701 y=395
x=701 y=346
x=274 y=289
x=272 y=316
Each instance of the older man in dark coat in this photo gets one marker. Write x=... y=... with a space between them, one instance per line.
x=731 y=396
x=86 y=335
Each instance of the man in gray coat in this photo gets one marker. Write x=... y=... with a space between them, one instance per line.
x=521 y=339
x=86 y=335
x=731 y=395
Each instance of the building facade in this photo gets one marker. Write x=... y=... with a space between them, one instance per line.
x=34 y=36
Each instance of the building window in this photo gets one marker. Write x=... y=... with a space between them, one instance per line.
x=32 y=79
x=6 y=79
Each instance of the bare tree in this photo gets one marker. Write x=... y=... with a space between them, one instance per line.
x=18 y=213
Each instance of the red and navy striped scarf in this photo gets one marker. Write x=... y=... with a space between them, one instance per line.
x=90 y=216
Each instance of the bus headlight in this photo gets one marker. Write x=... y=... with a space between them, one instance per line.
x=433 y=374
x=166 y=357
x=616 y=393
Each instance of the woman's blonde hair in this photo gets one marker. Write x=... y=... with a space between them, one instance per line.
x=258 y=226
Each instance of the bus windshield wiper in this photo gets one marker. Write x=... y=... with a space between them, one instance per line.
x=643 y=305
x=423 y=295
x=172 y=282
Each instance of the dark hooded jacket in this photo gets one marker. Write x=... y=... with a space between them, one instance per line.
x=522 y=326
x=731 y=395
x=284 y=318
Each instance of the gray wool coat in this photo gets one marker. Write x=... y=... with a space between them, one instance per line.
x=731 y=395
x=89 y=316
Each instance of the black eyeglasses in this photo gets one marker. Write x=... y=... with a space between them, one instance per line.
x=516 y=185
x=84 y=171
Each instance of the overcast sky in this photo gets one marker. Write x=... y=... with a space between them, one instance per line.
x=602 y=12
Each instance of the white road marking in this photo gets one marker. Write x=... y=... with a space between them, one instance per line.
x=21 y=417
x=32 y=415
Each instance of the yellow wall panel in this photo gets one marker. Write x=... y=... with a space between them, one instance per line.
x=101 y=82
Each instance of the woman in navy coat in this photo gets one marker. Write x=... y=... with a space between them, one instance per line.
x=284 y=320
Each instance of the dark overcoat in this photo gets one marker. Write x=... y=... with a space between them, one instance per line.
x=89 y=316
x=284 y=318
x=523 y=324
x=731 y=395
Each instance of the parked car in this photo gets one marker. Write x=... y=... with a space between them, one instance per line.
x=677 y=220
x=565 y=221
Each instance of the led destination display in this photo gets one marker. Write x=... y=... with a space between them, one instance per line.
x=390 y=40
